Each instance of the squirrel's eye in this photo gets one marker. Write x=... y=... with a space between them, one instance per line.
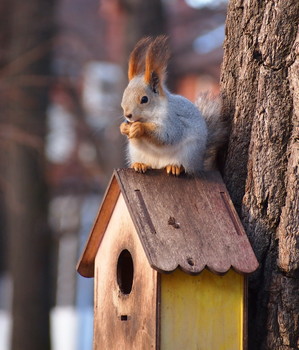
x=144 y=99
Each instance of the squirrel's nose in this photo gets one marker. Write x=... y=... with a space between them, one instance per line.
x=129 y=116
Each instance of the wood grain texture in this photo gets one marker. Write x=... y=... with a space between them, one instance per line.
x=124 y=321
x=85 y=265
x=206 y=231
x=202 y=312
x=260 y=88
x=181 y=221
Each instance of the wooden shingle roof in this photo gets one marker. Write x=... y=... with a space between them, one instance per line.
x=182 y=222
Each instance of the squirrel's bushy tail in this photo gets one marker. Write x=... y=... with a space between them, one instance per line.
x=210 y=107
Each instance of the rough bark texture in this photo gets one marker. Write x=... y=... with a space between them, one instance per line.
x=23 y=129
x=260 y=90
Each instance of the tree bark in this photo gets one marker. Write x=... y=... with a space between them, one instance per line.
x=24 y=82
x=259 y=84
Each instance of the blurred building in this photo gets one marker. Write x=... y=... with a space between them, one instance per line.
x=84 y=143
x=90 y=62
x=196 y=35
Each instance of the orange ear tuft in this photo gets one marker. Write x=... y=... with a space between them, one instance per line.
x=137 y=57
x=156 y=60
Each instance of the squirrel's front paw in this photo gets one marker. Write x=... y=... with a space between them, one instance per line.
x=125 y=128
x=140 y=167
x=174 y=169
x=136 y=130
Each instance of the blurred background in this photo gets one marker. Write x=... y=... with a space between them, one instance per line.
x=62 y=72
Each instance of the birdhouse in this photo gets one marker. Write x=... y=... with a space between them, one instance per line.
x=170 y=259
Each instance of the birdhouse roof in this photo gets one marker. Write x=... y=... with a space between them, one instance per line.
x=181 y=222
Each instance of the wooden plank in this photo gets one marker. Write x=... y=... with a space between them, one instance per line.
x=245 y=318
x=187 y=222
x=85 y=265
x=202 y=312
x=124 y=321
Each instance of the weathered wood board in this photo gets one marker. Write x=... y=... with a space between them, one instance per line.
x=187 y=222
x=124 y=321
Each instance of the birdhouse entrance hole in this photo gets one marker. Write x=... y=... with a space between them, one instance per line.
x=125 y=272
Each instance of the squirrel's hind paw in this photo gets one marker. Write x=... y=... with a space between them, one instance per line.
x=140 y=167
x=174 y=169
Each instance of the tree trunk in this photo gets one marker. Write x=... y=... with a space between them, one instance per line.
x=25 y=80
x=260 y=85
x=4 y=42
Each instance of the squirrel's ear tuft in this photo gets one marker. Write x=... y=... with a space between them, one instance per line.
x=137 y=57
x=156 y=60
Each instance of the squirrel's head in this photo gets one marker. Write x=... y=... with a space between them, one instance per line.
x=145 y=92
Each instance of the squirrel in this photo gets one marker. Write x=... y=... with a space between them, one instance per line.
x=167 y=131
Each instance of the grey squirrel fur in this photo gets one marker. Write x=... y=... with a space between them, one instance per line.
x=165 y=130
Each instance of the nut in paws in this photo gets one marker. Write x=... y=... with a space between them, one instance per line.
x=136 y=130
x=125 y=128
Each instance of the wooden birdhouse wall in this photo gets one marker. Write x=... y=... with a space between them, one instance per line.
x=124 y=320
x=202 y=312
x=151 y=250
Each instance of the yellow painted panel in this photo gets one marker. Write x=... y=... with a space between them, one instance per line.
x=203 y=312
